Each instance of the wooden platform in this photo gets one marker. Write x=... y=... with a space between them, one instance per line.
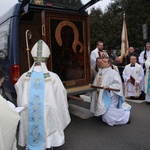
x=79 y=90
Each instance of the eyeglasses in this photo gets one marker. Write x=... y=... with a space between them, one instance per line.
x=133 y=59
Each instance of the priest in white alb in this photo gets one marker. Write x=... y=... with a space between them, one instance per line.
x=9 y=119
x=108 y=101
x=98 y=52
x=147 y=80
x=144 y=54
x=133 y=76
x=44 y=97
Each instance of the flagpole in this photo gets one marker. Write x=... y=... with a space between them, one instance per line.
x=125 y=28
x=124 y=41
x=127 y=43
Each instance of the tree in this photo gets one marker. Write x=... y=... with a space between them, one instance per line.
x=108 y=27
x=96 y=34
x=112 y=22
x=137 y=13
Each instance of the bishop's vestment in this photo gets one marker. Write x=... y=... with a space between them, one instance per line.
x=56 y=114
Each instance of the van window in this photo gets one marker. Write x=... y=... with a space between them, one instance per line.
x=4 y=36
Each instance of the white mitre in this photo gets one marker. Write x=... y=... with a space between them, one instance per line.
x=40 y=53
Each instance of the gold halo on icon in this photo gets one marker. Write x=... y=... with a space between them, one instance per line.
x=76 y=41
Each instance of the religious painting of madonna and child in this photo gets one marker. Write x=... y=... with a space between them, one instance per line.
x=69 y=49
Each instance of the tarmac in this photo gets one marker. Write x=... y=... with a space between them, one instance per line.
x=86 y=132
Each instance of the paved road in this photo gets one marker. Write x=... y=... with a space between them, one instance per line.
x=93 y=134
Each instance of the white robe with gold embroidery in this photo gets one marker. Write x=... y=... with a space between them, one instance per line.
x=138 y=74
x=56 y=114
x=112 y=115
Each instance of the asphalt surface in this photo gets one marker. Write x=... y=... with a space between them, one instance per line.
x=93 y=134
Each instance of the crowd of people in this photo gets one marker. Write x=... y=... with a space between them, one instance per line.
x=43 y=97
x=109 y=102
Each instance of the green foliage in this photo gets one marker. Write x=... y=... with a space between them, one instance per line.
x=95 y=26
x=107 y=26
x=137 y=13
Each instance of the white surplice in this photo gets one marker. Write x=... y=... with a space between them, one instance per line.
x=112 y=115
x=9 y=119
x=141 y=57
x=142 y=61
x=56 y=114
x=115 y=68
x=137 y=73
x=147 y=65
x=95 y=54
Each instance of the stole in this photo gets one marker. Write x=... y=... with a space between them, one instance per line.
x=148 y=84
x=36 y=112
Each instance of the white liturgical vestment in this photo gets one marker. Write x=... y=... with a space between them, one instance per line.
x=107 y=103
x=96 y=53
x=147 y=87
x=56 y=114
x=9 y=119
x=137 y=73
x=141 y=57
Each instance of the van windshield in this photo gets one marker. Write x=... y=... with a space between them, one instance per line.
x=65 y=4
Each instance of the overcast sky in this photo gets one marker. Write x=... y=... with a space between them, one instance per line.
x=6 y=4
